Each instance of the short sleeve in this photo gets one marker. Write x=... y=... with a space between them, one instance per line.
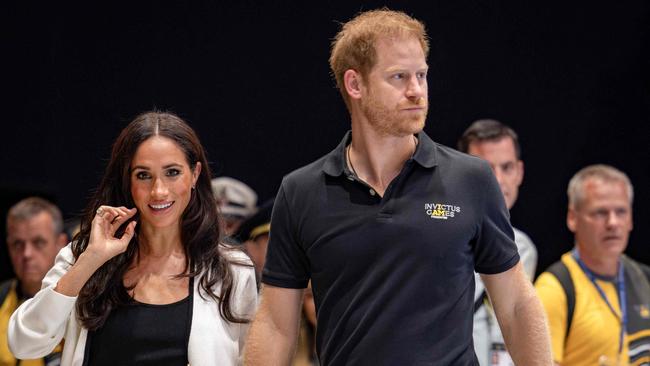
x=286 y=261
x=553 y=298
x=494 y=250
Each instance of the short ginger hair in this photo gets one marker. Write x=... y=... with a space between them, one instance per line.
x=354 y=46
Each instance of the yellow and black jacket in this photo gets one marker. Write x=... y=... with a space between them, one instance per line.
x=584 y=331
x=10 y=299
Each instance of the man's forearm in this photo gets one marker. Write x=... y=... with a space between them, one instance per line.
x=527 y=335
x=268 y=346
x=274 y=333
x=521 y=317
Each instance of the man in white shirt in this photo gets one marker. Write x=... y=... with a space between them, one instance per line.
x=498 y=144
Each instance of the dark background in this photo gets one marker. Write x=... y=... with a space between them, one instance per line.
x=253 y=79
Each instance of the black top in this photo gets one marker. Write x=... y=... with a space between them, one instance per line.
x=393 y=276
x=143 y=334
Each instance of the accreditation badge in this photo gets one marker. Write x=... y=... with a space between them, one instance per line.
x=499 y=356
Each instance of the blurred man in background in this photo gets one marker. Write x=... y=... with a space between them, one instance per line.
x=34 y=237
x=498 y=144
x=236 y=202
x=596 y=298
x=254 y=235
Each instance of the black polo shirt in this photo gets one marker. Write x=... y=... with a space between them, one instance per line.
x=393 y=276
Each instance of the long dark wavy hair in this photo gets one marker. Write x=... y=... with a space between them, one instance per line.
x=200 y=236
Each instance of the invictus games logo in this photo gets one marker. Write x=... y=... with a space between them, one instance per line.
x=441 y=211
x=643 y=310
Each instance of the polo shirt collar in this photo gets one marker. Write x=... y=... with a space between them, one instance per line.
x=425 y=154
x=335 y=162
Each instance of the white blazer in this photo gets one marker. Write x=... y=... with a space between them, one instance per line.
x=40 y=323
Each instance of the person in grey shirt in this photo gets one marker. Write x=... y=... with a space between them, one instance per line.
x=498 y=144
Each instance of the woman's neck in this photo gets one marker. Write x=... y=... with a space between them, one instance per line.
x=159 y=242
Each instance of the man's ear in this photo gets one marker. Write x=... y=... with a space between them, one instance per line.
x=352 y=82
x=520 y=166
x=571 y=219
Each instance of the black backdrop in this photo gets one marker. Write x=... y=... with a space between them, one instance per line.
x=252 y=78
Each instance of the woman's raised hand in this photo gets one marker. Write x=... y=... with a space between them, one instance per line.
x=107 y=220
x=103 y=245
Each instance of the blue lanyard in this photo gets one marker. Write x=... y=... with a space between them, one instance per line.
x=620 y=286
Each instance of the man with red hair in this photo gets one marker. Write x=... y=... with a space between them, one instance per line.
x=390 y=227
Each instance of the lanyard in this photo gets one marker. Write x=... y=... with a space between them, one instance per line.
x=620 y=286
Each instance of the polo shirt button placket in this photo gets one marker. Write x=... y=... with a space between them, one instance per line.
x=372 y=192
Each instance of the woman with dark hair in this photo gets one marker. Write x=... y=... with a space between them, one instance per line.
x=164 y=292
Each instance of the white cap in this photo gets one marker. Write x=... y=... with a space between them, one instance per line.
x=234 y=197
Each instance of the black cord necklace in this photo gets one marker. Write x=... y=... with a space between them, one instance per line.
x=347 y=153
x=350 y=161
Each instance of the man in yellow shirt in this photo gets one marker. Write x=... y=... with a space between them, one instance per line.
x=597 y=299
x=34 y=237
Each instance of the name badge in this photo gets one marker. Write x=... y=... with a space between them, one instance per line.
x=499 y=356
